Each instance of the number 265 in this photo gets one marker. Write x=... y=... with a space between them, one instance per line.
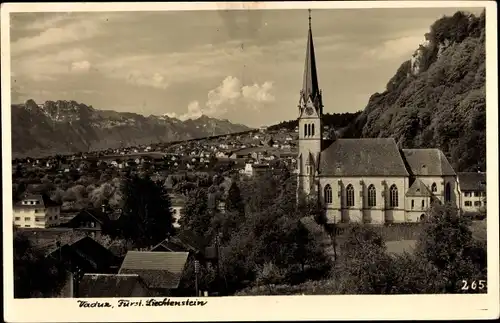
x=475 y=284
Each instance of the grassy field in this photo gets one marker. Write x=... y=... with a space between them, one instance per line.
x=478 y=229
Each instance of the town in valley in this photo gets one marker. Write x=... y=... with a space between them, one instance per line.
x=303 y=207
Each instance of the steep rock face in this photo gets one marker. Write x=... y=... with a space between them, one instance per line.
x=69 y=126
x=438 y=97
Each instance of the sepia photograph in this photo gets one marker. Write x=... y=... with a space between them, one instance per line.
x=184 y=155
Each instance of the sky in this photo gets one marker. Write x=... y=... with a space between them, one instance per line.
x=242 y=65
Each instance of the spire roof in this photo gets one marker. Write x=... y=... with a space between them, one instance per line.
x=310 y=86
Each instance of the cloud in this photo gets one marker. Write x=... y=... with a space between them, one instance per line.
x=81 y=66
x=60 y=29
x=49 y=65
x=194 y=112
x=155 y=80
x=258 y=93
x=46 y=22
x=230 y=94
x=396 y=48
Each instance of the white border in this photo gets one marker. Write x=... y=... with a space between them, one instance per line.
x=269 y=307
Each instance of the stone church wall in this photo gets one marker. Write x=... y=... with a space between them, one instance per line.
x=338 y=211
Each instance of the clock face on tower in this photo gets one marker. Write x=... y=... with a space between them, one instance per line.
x=309 y=111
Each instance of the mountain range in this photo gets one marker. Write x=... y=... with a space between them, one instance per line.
x=59 y=127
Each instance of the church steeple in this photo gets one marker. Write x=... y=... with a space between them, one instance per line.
x=310 y=87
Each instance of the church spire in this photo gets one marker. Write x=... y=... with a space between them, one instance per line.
x=310 y=86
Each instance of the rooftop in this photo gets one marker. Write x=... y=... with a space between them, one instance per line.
x=472 y=181
x=362 y=157
x=427 y=162
x=157 y=269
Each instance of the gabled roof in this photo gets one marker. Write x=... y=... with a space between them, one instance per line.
x=87 y=254
x=157 y=269
x=110 y=285
x=472 y=181
x=362 y=157
x=42 y=199
x=95 y=214
x=418 y=189
x=174 y=244
x=427 y=162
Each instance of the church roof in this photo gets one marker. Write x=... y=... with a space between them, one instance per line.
x=427 y=162
x=362 y=157
x=418 y=189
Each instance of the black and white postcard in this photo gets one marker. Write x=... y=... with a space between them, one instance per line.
x=250 y=161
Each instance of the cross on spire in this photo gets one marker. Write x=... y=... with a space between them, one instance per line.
x=309 y=18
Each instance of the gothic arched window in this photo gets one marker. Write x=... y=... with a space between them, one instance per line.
x=312 y=129
x=434 y=188
x=350 y=195
x=393 y=198
x=447 y=193
x=328 y=194
x=305 y=130
x=372 y=196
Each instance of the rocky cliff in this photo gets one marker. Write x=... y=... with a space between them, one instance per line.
x=438 y=97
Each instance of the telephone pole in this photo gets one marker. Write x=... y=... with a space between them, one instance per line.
x=196 y=271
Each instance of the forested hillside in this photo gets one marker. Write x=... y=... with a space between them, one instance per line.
x=334 y=120
x=438 y=97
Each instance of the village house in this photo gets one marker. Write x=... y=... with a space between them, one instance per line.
x=36 y=211
x=161 y=272
x=472 y=191
x=178 y=203
x=248 y=170
x=80 y=257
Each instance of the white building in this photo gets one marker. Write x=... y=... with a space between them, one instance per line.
x=178 y=203
x=36 y=211
x=365 y=180
x=472 y=191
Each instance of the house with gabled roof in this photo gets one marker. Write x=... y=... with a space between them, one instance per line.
x=161 y=271
x=472 y=191
x=365 y=180
x=36 y=211
x=81 y=257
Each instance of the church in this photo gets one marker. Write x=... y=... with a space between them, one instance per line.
x=366 y=180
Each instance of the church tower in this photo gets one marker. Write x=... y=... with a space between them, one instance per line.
x=310 y=121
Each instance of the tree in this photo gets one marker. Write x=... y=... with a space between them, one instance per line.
x=447 y=243
x=147 y=215
x=34 y=274
x=197 y=216
x=234 y=201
